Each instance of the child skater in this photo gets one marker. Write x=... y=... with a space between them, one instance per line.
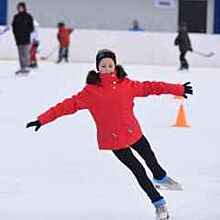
x=109 y=96
x=35 y=41
x=183 y=41
x=63 y=37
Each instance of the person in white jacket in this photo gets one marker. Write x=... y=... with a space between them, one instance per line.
x=35 y=41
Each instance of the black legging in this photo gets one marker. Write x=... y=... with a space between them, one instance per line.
x=63 y=53
x=144 y=150
x=183 y=61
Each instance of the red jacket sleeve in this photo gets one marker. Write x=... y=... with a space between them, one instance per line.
x=66 y=107
x=156 y=88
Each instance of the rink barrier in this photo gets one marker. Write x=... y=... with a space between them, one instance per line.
x=145 y=48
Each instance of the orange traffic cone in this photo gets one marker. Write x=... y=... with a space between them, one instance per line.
x=181 y=118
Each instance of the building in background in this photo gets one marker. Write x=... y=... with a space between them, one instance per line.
x=201 y=16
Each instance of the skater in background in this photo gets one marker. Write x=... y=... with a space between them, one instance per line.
x=183 y=41
x=63 y=37
x=22 y=26
x=136 y=26
x=109 y=95
x=35 y=41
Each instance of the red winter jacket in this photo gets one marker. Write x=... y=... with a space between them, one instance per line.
x=111 y=105
x=64 y=36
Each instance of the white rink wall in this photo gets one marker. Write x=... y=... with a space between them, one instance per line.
x=131 y=47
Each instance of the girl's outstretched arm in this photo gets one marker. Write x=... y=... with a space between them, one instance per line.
x=66 y=107
x=158 y=88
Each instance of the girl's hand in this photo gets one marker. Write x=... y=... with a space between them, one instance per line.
x=35 y=124
x=187 y=89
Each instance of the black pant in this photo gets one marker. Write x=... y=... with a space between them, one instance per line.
x=128 y=159
x=63 y=53
x=183 y=62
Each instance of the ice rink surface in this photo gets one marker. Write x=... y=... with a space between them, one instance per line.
x=59 y=173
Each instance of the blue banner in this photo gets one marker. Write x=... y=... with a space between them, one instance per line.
x=3 y=12
x=217 y=17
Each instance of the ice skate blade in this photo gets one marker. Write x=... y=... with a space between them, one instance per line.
x=177 y=188
x=163 y=218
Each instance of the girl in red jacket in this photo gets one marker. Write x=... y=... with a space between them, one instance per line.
x=63 y=37
x=109 y=96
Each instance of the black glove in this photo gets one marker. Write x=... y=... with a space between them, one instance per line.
x=35 y=124
x=187 y=89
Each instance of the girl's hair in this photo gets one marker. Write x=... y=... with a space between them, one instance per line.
x=23 y=5
x=60 y=24
x=93 y=77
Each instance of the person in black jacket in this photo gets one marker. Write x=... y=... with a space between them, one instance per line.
x=22 y=27
x=183 y=41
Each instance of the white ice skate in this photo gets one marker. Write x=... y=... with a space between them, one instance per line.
x=162 y=213
x=22 y=72
x=167 y=184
